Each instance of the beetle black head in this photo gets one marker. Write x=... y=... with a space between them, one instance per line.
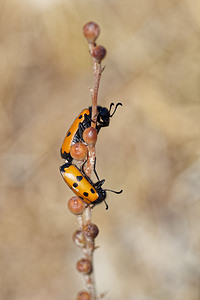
x=104 y=115
x=102 y=192
x=102 y=196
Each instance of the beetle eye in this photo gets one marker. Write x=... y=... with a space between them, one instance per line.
x=104 y=121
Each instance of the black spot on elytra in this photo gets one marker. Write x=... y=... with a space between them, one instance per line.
x=79 y=178
x=85 y=194
x=92 y=191
x=80 y=117
x=75 y=184
x=69 y=133
x=64 y=167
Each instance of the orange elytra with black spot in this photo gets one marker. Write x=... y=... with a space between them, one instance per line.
x=83 y=121
x=82 y=185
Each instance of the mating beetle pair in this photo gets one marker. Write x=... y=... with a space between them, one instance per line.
x=76 y=179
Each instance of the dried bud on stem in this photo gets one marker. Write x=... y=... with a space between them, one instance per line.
x=91 y=31
x=84 y=266
x=91 y=231
x=99 y=52
x=83 y=295
x=78 y=151
x=90 y=136
x=76 y=205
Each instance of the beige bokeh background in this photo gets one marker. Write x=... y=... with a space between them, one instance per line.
x=149 y=238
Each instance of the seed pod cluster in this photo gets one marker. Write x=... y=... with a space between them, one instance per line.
x=78 y=151
x=91 y=32
x=85 y=239
x=81 y=238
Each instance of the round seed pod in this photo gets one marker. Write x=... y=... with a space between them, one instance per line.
x=76 y=205
x=91 y=231
x=99 y=52
x=84 y=266
x=91 y=31
x=83 y=295
x=78 y=151
x=90 y=136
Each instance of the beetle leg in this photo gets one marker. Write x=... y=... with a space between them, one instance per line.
x=95 y=172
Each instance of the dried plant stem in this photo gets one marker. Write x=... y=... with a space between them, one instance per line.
x=85 y=236
x=88 y=253
x=90 y=161
x=97 y=70
x=80 y=221
x=90 y=244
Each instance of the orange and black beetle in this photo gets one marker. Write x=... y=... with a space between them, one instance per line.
x=83 y=121
x=82 y=185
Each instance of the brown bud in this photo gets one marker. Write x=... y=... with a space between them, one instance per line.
x=84 y=266
x=99 y=52
x=91 y=31
x=78 y=151
x=90 y=136
x=78 y=238
x=91 y=231
x=83 y=295
x=76 y=205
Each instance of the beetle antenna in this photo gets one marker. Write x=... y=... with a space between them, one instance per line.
x=105 y=204
x=95 y=172
x=119 y=103
x=111 y=104
x=114 y=191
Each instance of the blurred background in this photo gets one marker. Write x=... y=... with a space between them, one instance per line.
x=149 y=238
